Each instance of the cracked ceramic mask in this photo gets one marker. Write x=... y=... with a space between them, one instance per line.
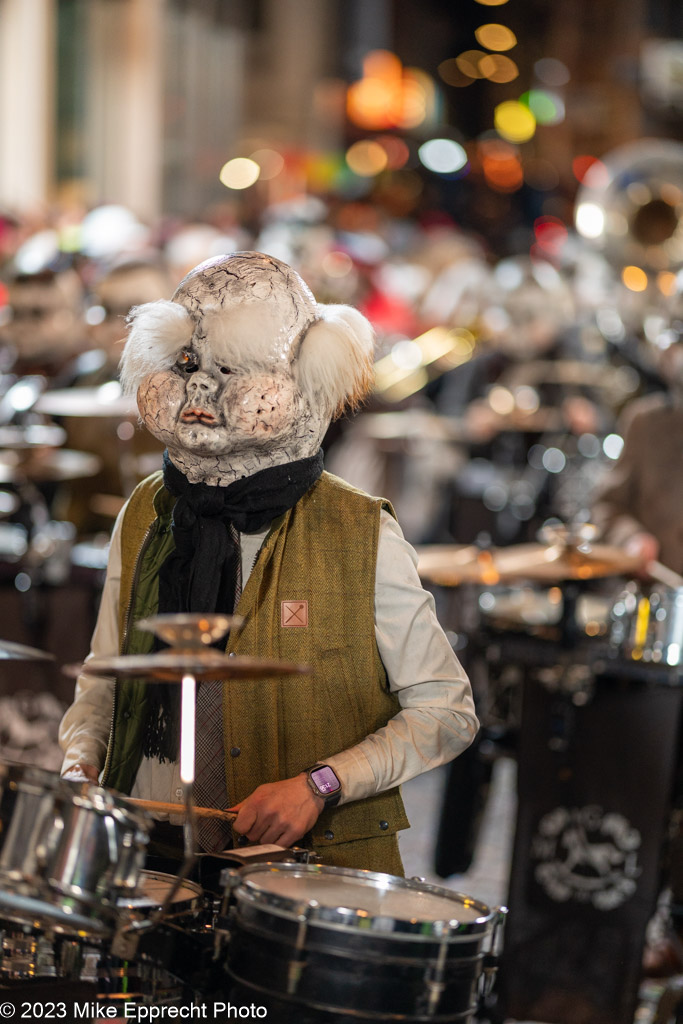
x=242 y=369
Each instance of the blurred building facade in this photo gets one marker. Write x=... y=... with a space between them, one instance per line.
x=140 y=102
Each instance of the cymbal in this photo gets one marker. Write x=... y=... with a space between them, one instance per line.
x=87 y=402
x=35 y=435
x=452 y=565
x=171 y=666
x=47 y=465
x=10 y=651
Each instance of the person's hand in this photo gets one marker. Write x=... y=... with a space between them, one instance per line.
x=278 y=812
x=645 y=547
x=81 y=773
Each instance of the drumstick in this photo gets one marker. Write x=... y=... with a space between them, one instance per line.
x=164 y=808
x=664 y=575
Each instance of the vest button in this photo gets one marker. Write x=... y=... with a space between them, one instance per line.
x=232 y=654
x=235 y=751
x=242 y=840
x=328 y=834
x=384 y=825
x=126 y=715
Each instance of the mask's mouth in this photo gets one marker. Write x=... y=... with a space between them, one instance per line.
x=198 y=415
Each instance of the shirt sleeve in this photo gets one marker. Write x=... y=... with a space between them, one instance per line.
x=437 y=720
x=85 y=727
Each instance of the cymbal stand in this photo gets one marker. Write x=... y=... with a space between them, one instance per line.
x=192 y=631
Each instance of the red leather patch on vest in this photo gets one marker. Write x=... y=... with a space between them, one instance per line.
x=294 y=613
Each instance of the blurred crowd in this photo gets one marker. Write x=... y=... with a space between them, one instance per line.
x=500 y=382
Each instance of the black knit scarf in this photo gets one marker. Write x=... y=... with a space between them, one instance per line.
x=200 y=574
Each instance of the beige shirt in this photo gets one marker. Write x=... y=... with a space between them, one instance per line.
x=436 y=721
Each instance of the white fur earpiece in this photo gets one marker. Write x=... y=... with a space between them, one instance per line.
x=334 y=364
x=158 y=331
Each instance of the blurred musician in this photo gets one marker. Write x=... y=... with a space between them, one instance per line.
x=638 y=507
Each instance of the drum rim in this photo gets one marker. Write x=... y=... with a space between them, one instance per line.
x=46 y=916
x=177 y=906
x=345 y=918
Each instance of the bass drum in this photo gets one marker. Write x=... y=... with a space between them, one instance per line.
x=356 y=943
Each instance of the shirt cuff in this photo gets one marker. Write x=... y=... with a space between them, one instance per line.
x=355 y=773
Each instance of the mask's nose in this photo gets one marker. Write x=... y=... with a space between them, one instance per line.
x=202 y=385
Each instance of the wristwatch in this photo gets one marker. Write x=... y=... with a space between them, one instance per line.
x=324 y=782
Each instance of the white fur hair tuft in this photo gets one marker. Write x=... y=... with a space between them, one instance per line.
x=158 y=331
x=336 y=359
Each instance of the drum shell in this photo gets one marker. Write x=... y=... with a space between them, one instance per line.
x=72 y=846
x=355 y=970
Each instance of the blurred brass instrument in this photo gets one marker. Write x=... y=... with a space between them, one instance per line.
x=410 y=365
x=630 y=205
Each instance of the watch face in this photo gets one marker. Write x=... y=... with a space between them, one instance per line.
x=325 y=779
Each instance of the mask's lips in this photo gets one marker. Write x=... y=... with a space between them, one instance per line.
x=195 y=414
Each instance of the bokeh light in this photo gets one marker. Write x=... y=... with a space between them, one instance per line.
x=373 y=103
x=366 y=158
x=551 y=234
x=451 y=73
x=468 y=62
x=547 y=107
x=396 y=150
x=495 y=37
x=551 y=71
x=382 y=64
x=590 y=220
x=239 y=173
x=666 y=282
x=491 y=3
x=514 y=121
x=634 y=278
x=415 y=98
x=582 y=164
x=270 y=161
x=501 y=165
x=336 y=263
x=498 y=68
x=443 y=156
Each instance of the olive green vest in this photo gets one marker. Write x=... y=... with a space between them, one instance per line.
x=322 y=552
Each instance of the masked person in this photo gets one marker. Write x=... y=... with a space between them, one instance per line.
x=239 y=375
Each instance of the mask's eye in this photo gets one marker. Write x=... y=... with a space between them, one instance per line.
x=225 y=369
x=187 y=361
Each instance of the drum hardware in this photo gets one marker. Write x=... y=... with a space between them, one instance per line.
x=189 y=659
x=493 y=954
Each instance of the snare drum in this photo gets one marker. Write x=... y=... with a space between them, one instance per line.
x=357 y=942
x=187 y=905
x=69 y=851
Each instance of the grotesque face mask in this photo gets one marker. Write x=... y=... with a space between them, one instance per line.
x=243 y=369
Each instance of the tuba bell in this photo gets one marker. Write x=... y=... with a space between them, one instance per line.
x=630 y=205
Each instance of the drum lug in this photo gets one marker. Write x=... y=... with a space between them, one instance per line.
x=125 y=942
x=492 y=956
x=434 y=977
x=298 y=962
